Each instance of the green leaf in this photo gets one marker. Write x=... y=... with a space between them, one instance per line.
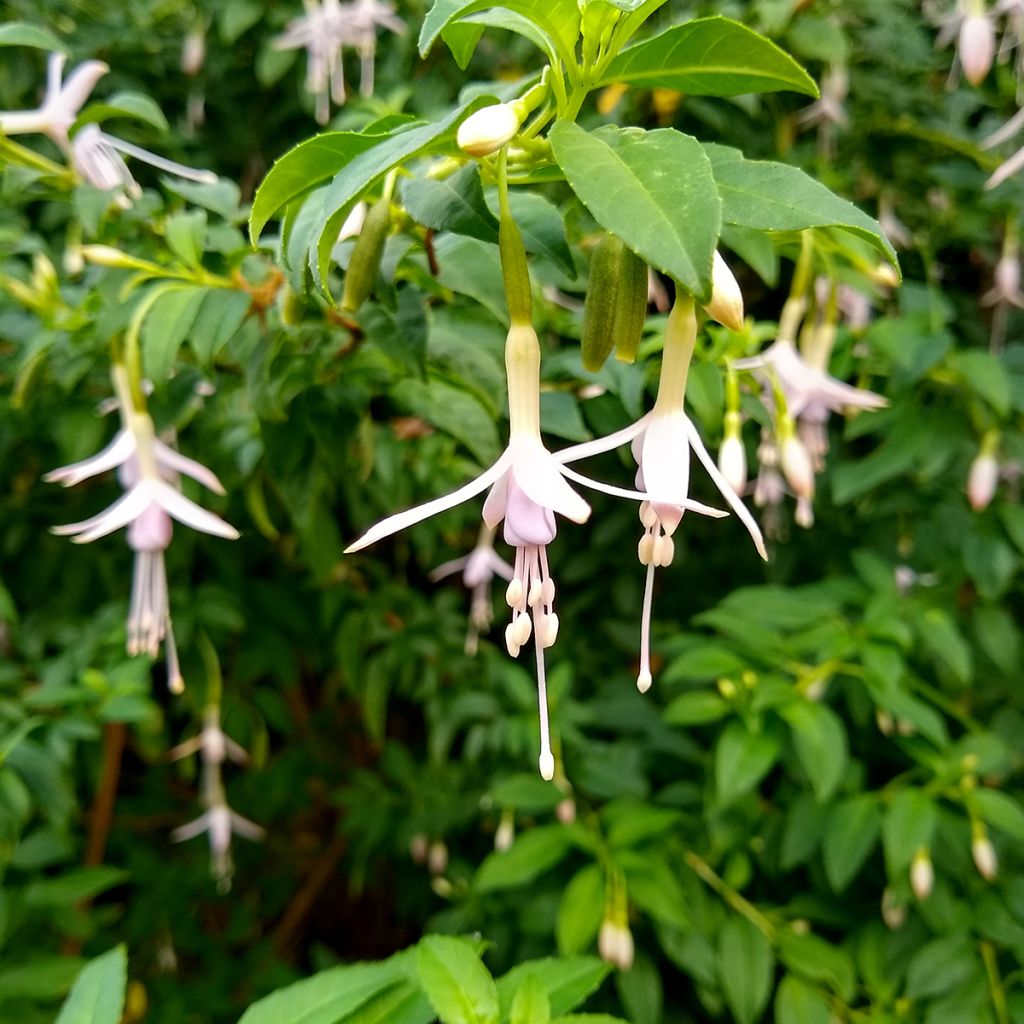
x=641 y=991
x=568 y=981
x=654 y=190
x=851 y=835
x=710 y=57
x=186 y=236
x=453 y=204
x=220 y=316
x=776 y=197
x=1000 y=810
x=454 y=411
x=821 y=746
x=167 y=323
x=471 y=267
x=301 y=169
x=402 y=1004
x=125 y=104
x=742 y=759
x=531 y=1004
x=697 y=708
x=71 y=887
x=400 y=333
x=580 y=911
x=457 y=984
x=985 y=376
x=820 y=961
x=798 y=1003
x=745 y=967
x=941 y=966
x=558 y=20
x=43 y=978
x=991 y=563
x=20 y=33
x=946 y=643
x=359 y=173
x=97 y=997
x=533 y=853
x=909 y=823
x=326 y=997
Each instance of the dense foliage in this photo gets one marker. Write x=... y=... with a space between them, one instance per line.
x=815 y=812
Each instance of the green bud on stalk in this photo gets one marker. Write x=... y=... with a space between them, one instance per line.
x=599 y=312
x=364 y=265
x=630 y=306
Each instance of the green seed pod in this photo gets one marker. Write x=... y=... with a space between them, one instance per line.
x=364 y=264
x=631 y=306
x=598 y=337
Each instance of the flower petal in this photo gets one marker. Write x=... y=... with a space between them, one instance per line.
x=727 y=492
x=245 y=828
x=120 y=449
x=411 y=516
x=78 y=85
x=171 y=458
x=448 y=568
x=159 y=162
x=665 y=458
x=176 y=505
x=540 y=478
x=496 y=503
x=602 y=444
x=127 y=508
x=192 y=829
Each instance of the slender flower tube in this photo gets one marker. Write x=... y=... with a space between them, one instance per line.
x=661 y=445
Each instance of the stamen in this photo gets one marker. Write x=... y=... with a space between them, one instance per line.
x=644 y=679
x=546 y=761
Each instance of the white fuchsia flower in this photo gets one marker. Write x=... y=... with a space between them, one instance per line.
x=478 y=570
x=220 y=823
x=212 y=744
x=528 y=486
x=147 y=469
x=661 y=444
x=94 y=154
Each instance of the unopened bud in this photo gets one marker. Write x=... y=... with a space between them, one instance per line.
x=732 y=462
x=565 y=812
x=74 y=261
x=796 y=466
x=984 y=853
x=108 y=256
x=546 y=764
x=437 y=857
x=922 y=874
x=615 y=945
x=982 y=481
x=193 y=52
x=630 y=306
x=364 y=263
x=418 y=847
x=490 y=128
x=894 y=913
x=644 y=681
x=505 y=835
x=885 y=274
x=884 y=721
x=726 y=305
x=977 y=47
x=597 y=338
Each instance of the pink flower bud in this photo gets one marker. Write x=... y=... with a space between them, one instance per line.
x=490 y=128
x=566 y=811
x=977 y=47
x=732 y=461
x=894 y=913
x=505 y=835
x=984 y=854
x=797 y=467
x=922 y=874
x=982 y=481
x=418 y=848
x=615 y=945
x=437 y=857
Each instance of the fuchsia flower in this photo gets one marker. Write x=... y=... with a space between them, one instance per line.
x=147 y=469
x=94 y=154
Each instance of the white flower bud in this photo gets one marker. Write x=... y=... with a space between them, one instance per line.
x=977 y=47
x=418 y=848
x=490 y=128
x=732 y=461
x=193 y=52
x=505 y=836
x=982 y=481
x=894 y=913
x=615 y=945
x=984 y=854
x=74 y=261
x=437 y=857
x=565 y=812
x=726 y=305
x=922 y=874
x=797 y=467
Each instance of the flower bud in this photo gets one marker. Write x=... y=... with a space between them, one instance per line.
x=796 y=466
x=984 y=853
x=505 y=835
x=977 y=47
x=894 y=913
x=615 y=944
x=193 y=52
x=565 y=812
x=364 y=263
x=982 y=480
x=546 y=764
x=630 y=306
x=922 y=874
x=108 y=256
x=490 y=128
x=597 y=338
x=418 y=847
x=726 y=305
x=732 y=460
x=437 y=857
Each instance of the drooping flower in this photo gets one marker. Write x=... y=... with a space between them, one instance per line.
x=148 y=470
x=528 y=485
x=661 y=443
x=478 y=570
x=94 y=154
x=212 y=744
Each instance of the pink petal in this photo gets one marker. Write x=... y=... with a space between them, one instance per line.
x=120 y=449
x=602 y=444
x=496 y=502
x=431 y=508
x=449 y=568
x=172 y=459
x=665 y=459
x=245 y=828
x=79 y=84
x=540 y=477
x=192 y=829
x=121 y=513
x=175 y=504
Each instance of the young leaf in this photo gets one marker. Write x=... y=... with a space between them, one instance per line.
x=852 y=832
x=568 y=981
x=710 y=57
x=97 y=997
x=776 y=197
x=167 y=323
x=458 y=985
x=453 y=204
x=798 y=1003
x=580 y=910
x=742 y=759
x=821 y=747
x=530 y=856
x=531 y=1004
x=745 y=965
x=654 y=190
x=20 y=33
x=909 y=824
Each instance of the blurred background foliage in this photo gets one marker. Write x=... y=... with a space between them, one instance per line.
x=826 y=734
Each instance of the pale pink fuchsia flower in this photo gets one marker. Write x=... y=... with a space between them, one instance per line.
x=326 y=28
x=219 y=822
x=147 y=469
x=661 y=444
x=1005 y=292
x=528 y=485
x=94 y=154
x=212 y=744
x=478 y=570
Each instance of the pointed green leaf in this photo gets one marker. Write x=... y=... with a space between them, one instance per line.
x=20 y=33
x=909 y=823
x=580 y=910
x=166 y=326
x=458 y=985
x=710 y=57
x=852 y=832
x=654 y=190
x=453 y=204
x=531 y=1004
x=745 y=966
x=568 y=981
x=798 y=1003
x=771 y=196
x=126 y=104
x=821 y=745
x=97 y=997
x=527 y=858
x=742 y=759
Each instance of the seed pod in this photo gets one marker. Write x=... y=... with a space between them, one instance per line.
x=364 y=264
x=630 y=306
x=598 y=336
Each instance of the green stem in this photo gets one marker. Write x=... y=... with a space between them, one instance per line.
x=995 y=986
x=741 y=905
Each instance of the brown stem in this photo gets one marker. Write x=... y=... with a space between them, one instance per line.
x=303 y=901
